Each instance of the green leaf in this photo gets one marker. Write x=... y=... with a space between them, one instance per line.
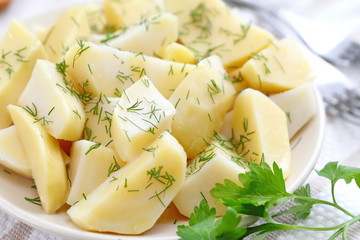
x=261 y=188
x=201 y=224
x=334 y=172
x=227 y=226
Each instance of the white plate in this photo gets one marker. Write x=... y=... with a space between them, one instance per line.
x=305 y=152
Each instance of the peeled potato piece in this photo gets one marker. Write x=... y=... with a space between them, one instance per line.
x=210 y=28
x=282 y=66
x=12 y=153
x=139 y=117
x=20 y=49
x=45 y=158
x=149 y=37
x=262 y=128
x=132 y=199
x=49 y=99
x=70 y=27
x=90 y=165
x=211 y=166
x=126 y=12
x=201 y=101
x=299 y=104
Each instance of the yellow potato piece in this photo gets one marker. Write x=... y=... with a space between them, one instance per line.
x=149 y=37
x=178 y=53
x=299 y=104
x=126 y=12
x=201 y=101
x=90 y=165
x=12 y=153
x=19 y=50
x=69 y=28
x=139 y=117
x=262 y=128
x=211 y=166
x=45 y=158
x=57 y=108
x=110 y=71
x=210 y=28
x=280 y=67
x=132 y=199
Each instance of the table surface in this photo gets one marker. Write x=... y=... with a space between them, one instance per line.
x=341 y=139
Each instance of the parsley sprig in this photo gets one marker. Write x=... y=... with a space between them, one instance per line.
x=262 y=188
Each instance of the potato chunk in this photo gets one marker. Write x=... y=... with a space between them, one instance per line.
x=261 y=126
x=201 y=101
x=280 y=67
x=126 y=12
x=149 y=37
x=178 y=53
x=20 y=49
x=210 y=28
x=45 y=158
x=90 y=165
x=132 y=199
x=109 y=71
x=49 y=99
x=12 y=153
x=70 y=27
x=139 y=117
x=211 y=166
x=299 y=104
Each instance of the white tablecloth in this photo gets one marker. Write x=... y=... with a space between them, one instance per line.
x=341 y=139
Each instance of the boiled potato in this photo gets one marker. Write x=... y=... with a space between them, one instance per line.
x=299 y=104
x=280 y=67
x=261 y=128
x=201 y=101
x=20 y=49
x=149 y=37
x=211 y=166
x=178 y=53
x=109 y=71
x=49 y=99
x=126 y=12
x=98 y=114
x=72 y=26
x=90 y=165
x=45 y=158
x=12 y=153
x=132 y=199
x=209 y=28
x=139 y=117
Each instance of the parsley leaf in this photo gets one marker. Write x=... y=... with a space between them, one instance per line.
x=262 y=187
x=203 y=225
x=335 y=172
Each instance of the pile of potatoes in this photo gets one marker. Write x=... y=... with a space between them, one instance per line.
x=119 y=109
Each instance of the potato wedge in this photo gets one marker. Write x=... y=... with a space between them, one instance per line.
x=261 y=127
x=12 y=153
x=50 y=100
x=20 y=49
x=140 y=116
x=132 y=199
x=201 y=101
x=280 y=67
x=90 y=165
x=45 y=158
x=210 y=28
